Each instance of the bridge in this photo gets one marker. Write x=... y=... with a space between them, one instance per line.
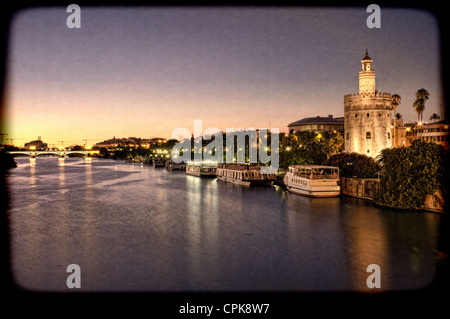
x=59 y=153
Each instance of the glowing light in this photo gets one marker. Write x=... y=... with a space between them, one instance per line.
x=32 y=147
x=288 y=148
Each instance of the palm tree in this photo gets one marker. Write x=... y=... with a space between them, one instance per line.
x=395 y=101
x=435 y=117
x=398 y=116
x=419 y=107
x=419 y=104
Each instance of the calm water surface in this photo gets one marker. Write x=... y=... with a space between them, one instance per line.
x=131 y=227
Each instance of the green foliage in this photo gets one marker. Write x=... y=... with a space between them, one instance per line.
x=332 y=143
x=409 y=174
x=295 y=157
x=308 y=147
x=354 y=164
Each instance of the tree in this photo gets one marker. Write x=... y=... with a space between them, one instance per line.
x=435 y=117
x=398 y=116
x=103 y=152
x=409 y=174
x=395 y=101
x=332 y=143
x=308 y=147
x=422 y=96
x=354 y=165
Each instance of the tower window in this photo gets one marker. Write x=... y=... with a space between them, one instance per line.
x=368 y=136
x=368 y=151
x=368 y=114
x=348 y=135
x=379 y=114
x=389 y=135
x=387 y=115
x=356 y=115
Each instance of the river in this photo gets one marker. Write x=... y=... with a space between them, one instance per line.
x=132 y=228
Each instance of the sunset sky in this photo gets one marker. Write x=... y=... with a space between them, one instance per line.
x=144 y=72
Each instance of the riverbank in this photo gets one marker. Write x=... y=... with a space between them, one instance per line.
x=365 y=188
x=7 y=161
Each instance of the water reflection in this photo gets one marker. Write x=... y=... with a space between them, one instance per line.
x=367 y=242
x=156 y=231
x=202 y=224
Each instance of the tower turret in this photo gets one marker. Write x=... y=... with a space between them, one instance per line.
x=366 y=75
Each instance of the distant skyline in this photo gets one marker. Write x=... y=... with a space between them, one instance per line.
x=144 y=72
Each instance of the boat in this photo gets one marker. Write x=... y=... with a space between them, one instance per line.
x=170 y=165
x=244 y=174
x=201 y=169
x=158 y=162
x=313 y=180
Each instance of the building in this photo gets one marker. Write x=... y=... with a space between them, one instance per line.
x=398 y=133
x=317 y=124
x=437 y=132
x=37 y=145
x=367 y=115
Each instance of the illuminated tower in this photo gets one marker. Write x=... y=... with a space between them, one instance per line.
x=366 y=75
x=367 y=115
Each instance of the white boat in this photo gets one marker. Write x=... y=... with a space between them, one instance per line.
x=313 y=180
x=202 y=169
x=244 y=174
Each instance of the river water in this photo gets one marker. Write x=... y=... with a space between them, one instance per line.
x=131 y=228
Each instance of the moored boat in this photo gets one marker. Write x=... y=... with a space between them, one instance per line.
x=158 y=162
x=170 y=165
x=244 y=174
x=313 y=180
x=201 y=169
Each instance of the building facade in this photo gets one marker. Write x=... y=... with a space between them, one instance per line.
x=398 y=133
x=317 y=124
x=37 y=145
x=437 y=132
x=367 y=115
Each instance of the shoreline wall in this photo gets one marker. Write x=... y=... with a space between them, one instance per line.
x=366 y=188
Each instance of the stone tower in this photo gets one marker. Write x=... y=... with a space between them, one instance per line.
x=367 y=115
